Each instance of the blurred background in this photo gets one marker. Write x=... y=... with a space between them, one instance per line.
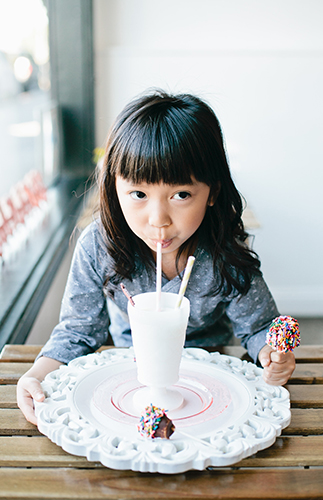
x=24 y=89
x=67 y=68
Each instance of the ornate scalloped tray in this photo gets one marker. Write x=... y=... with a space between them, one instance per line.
x=229 y=412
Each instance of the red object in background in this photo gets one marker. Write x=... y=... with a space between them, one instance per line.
x=7 y=217
x=3 y=235
x=23 y=197
x=34 y=187
x=21 y=201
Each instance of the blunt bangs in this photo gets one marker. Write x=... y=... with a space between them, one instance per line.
x=160 y=141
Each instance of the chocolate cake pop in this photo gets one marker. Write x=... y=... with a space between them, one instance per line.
x=154 y=423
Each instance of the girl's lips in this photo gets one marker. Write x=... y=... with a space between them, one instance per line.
x=164 y=243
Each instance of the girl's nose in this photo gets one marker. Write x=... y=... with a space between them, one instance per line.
x=158 y=217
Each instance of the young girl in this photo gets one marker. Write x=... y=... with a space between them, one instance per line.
x=165 y=178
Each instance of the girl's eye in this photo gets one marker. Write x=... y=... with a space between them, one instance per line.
x=137 y=195
x=182 y=195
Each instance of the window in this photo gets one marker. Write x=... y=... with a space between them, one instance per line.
x=46 y=126
x=26 y=129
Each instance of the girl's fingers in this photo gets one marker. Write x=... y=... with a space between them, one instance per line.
x=279 y=357
x=33 y=388
x=278 y=366
x=27 y=407
x=265 y=356
x=275 y=377
x=29 y=389
x=278 y=372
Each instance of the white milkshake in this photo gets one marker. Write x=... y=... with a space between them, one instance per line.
x=158 y=338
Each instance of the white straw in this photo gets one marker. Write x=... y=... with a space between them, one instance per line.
x=158 y=275
x=186 y=277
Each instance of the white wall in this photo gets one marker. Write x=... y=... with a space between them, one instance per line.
x=259 y=63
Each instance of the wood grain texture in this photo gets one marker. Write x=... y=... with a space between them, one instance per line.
x=293 y=451
x=8 y=396
x=307 y=373
x=10 y=373
x=306 y=396
x=38 y=452
x=13 y=423
x=95 y=484
x=21 y=353
x=301 y=396
x=32 y=467
x=28 y=353
x=305 y=422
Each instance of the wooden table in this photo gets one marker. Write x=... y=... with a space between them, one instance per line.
x=33 y=467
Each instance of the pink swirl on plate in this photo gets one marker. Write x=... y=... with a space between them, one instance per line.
x=205 y=398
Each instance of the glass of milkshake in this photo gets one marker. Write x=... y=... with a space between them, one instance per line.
x=158 y=338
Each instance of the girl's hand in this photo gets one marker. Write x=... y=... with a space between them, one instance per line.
x=278 y=366
x=29 y=388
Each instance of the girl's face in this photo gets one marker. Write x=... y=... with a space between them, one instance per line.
x=164 y=213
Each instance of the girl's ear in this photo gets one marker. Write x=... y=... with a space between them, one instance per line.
x=214 y=193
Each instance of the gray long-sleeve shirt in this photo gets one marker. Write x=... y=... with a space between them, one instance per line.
x=85 y=311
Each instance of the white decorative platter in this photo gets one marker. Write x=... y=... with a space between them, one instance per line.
x=229 y=412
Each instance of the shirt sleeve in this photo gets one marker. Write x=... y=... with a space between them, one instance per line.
x=251 y=316
x=83 y=323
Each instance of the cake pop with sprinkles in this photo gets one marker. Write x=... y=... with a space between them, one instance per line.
x=155 y=423
x=283 y=334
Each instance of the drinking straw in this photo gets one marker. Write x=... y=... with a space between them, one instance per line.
x=158 y=275
x=186 y=277
x=127 y=294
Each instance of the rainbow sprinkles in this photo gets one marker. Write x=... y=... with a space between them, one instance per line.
x=283 y=334
x=155 y=423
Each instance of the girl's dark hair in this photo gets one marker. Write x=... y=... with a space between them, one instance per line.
x=170 y=138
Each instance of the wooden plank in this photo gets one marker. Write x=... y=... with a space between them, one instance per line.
x=305 y=422
x=10 y=373
x=309 y=353
x=28 y=353
x=19 y=353
x=293 y=451
x=8 y=396
x=301 y=396
x=306 y=396
x=20 y=451
x=250 y=484
x=307 y=373
x=13 y=422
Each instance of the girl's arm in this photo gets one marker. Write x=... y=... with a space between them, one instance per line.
x=251 y=316
x=83 y=325
x=29 y=387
